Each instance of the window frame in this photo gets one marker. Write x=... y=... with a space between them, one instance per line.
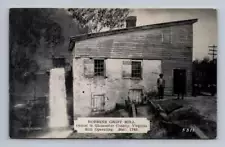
x=103 y=66
x=94 y=107
x=163 y=35
x=139 y=68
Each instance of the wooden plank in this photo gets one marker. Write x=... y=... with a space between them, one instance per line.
x=88 y=68
x=199 y=132
x=133 y=110
x=160 y=108
x=126 y=69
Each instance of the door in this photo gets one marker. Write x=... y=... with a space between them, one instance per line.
x=179 y=81
x=135 y=95
x=98 y=103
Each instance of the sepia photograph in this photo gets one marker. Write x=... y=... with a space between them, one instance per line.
x=113 y=73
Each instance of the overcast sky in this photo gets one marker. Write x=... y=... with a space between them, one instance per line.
x=204 y=31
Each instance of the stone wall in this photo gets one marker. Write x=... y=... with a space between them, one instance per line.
x=113 y=86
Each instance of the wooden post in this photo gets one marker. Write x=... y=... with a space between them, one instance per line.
x=199 y=132
x=133 y=110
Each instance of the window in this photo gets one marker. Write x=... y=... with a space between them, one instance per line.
x=167 y=36
x=136 y=69
x=58 y=62
x=99 y=68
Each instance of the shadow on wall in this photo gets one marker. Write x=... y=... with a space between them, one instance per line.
x=69 y=93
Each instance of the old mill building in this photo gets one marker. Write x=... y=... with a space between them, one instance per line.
x=109 y=67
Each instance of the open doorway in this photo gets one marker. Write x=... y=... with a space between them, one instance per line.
x=179 y=80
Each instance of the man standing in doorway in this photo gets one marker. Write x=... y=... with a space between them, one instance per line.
x=161 y=86
x=181 y=86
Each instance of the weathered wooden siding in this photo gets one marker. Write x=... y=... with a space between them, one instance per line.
x=146 y=44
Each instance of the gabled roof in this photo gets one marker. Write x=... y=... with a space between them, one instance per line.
x=74 y=39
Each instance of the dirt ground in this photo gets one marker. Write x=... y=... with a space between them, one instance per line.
x=200 y=111
x=206 y=105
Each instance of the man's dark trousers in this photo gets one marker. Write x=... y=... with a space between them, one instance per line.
x=161 y=92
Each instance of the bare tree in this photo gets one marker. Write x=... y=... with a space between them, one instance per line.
x=97 y=19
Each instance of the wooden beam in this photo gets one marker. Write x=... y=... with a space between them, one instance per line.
x=199 y=132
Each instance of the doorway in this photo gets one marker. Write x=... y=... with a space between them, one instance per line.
x=179 y=80
x=98 y=103
x=135 y=95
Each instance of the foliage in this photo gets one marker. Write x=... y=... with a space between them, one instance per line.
x=97 y=19
x=207 y=68
x=205 y=75
x=27 y=116
x=27 y=27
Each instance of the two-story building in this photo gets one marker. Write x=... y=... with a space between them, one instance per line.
x=109 y=67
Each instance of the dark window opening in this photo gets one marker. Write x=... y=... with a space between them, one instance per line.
x=59 y=62
x=99 y=67
x=136 y=69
